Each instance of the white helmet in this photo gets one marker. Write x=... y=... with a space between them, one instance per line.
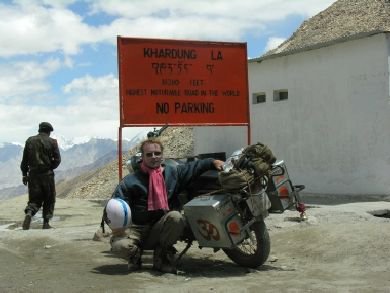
x=118 y=214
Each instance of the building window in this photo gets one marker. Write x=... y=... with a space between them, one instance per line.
x=258 y=98
x=280 y=95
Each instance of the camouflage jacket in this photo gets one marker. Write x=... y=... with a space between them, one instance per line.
x=40 y=155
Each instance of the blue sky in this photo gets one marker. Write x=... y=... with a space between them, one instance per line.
x=58 y=57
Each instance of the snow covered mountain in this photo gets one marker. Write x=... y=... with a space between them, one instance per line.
x=78 y=156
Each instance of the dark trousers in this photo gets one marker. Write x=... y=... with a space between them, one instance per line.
x=41 y=193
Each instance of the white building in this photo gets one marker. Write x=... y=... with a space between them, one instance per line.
x=322 y=103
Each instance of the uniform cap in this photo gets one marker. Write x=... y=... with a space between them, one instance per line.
x=118 y=214
x=45 y=126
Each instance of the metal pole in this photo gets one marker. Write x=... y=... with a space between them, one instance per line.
x=249 y=134
x=120 y=153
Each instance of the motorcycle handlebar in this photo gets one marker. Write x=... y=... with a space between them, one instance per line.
x=155 y=132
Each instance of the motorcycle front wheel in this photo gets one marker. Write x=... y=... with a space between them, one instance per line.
x=254 y=250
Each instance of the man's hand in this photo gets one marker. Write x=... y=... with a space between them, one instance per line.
x=25 y=180
x=218 y=164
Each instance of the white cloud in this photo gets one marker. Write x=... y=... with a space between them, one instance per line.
x=273 y=43
x=92 y=111
x=54 y=3
x=25 y=79
x=89 y=85
x=21 y=121
x=247 y=11
x=94 y=106
x=187 y=28
x=29 y=27
x=200 y=19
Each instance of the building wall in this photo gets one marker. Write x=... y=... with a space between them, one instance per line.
x=388 y=60
x=211 y=139
x=333 y=131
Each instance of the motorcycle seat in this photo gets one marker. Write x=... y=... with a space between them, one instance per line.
x=210 y=175
x=207 y=182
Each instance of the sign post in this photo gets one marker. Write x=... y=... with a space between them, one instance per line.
x=182 y=83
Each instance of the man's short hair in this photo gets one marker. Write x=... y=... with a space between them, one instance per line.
x=45 y=127
x=151 y=140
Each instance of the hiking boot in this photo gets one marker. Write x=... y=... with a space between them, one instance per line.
x=27 y=221
x=134 y=263
x=46 y=225
x=164 y=260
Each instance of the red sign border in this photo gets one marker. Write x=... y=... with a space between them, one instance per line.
x=187 y=42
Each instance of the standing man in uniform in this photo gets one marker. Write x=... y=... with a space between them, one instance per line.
x=40 y=157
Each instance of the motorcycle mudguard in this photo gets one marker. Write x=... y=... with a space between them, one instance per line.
x=258 y=204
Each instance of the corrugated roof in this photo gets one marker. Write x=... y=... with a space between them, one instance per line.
x=342 y=21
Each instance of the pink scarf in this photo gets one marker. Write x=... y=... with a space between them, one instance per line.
x=157 y=195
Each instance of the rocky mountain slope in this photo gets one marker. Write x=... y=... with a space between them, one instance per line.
x=178 y=143
x=344 y=19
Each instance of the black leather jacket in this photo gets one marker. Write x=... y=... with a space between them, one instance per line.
x=134 y=188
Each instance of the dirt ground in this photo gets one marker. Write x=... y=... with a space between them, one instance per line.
x=343 y=247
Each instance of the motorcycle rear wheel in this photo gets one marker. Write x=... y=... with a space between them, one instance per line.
x=252 y=253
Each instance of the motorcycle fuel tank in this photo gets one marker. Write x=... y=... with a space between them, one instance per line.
x=214 y=221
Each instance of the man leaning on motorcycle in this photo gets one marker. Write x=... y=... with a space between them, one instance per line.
x=152 y=193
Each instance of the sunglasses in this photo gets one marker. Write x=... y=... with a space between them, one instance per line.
x=156 y=154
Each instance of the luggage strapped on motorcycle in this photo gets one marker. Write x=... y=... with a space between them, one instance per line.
x=255 y=162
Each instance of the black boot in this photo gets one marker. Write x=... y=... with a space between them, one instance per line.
x=27 y=220
x=46 y=224
x=164 y=260
x=134 y=263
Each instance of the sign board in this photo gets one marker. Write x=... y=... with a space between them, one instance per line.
x=171 y=82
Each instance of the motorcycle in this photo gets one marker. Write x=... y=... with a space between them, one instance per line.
x=234 y=220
